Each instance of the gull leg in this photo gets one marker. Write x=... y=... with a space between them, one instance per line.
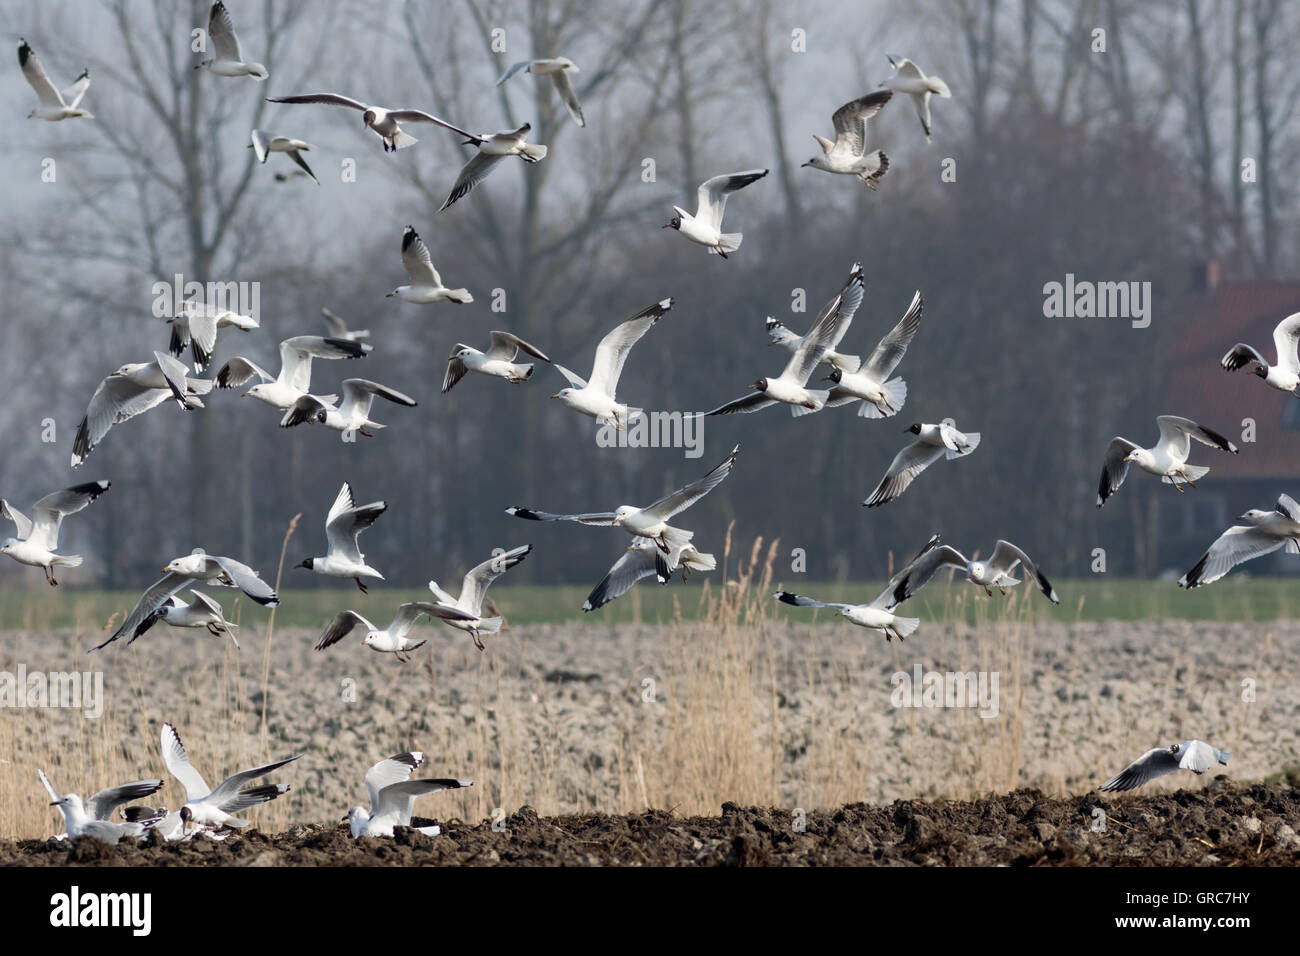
x=1190 y=483
x=721 y=253
x=361 y=584
x=49 y=576
x=478 y=641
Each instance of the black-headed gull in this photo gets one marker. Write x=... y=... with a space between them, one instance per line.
x=498 y=360
x=705 y=227
x=215 y=807
x=352 y=416
x=294 y=381
x=384 y=122
x=1167 y=459
x=38 y=536
x=1260 y=532
x=197 y=327
x=343 y=526
x=338 y=327
x=392 y=639
x=848 y=154
x=425 y=286
x=1285 y=375
x=392 y=796
x=265 y=143
x=200 y=612
x=53 y=105
x=1194 y=755
x=909 y=79
x=473 y=589
x=874 y=615
x=227 y=59
x=996 y=572
x=492 y=148
x=932 y=443
x=881 y=396
x=557 y=69
x=642 y=560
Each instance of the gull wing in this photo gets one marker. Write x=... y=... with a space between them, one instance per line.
x=1239 y=355
x=798 y=600
x=712 y=194
x=154 y=597
x=1238 y=544
x=1197 y=756
x=116 y=400
x=513 y=69
x=564 y=85
x=597 y=518
x=902 y=471
x=73 y=94
x=239 y=370
x=1114 y=469
x=247 y=580
x=456 y=368
x=332 y=99
x=296 y=156
x=471 y=174
x=360 y=393
x=177 y=762
x=408 y=613
x=917 y=573
x=34 y=73
x=745 y=405
x=49 y=512
x=893 y=346
x=683 y=498
x=831 y=324
x=347 y=520
x=397 y=797
x=297 y=352
x=611 y=353
x=1005 y=556
x=1286 y=338
x=395 y=769
x=227 y=795
x=1175 y=433
x=103 y=803
x=420 y=116
x=851 y=120
x=339 y=627
x=1287 y=507
x=22 y=523
x=639 y=561
x=1154 y=763
x=221 y=30
x=576 y=381
x=261 y=140
x=479 y=578
x=505 y=346
x=417 y=261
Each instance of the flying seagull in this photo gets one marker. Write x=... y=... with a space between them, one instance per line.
x=881 y=396
x=197 y=327
x=492 y=148
x=294 y=381
x=54 y=106
x=426 y=285
x=1260 y=533
x=207 y=806
x=384 y=122
x=650 y=522
x=909 y=79
x=705 y=227
x=1285 y=375
x=38 y=536
x=1167 y=459
x=392 y=796
x=874 y=615
x=198 y=567
x=791 y=385
x=265 y=143
x=996 y=572
x=848 y=154
x=353 y=415
x=201 y=612
x=472 y=591
x=99 y=807
x=343 y=526
x=392 y=639
x=339 y=328
x=498 y=360
x=130 y=391
x=596 y=398
x=790 y=340
x=227 y=59
x=932 y=443
x=558 y=69
x=641 y=560
x=1194 y=755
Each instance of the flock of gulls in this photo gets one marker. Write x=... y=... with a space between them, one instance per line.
x=658 y=548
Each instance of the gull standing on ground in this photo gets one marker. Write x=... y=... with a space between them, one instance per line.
x=198 y=567
x=474 y=588
x=54 y=106
x=203 y=611
x=492 y=148
x=705 y=227
x=132 y=390
x=791 y=385
x=558 y=69
x=392 y=796
x=353 y=415
x=214 y=807
x=391 y=639
x=996 y=572
x=197 y=327
x=265 y=143
x=294 y=381
x=426 y=284
x=498 y=360
x=1260 y=533
x=384 y=122
x=848 y=154
x=227 y=58
x=339 y=327
x=932 y=443
x=343 y=526
x=38 y=536
x=909 y=79
x=596 y=398
x=881 y=396
x=1194 y=755
x=99 y=807
x=1167 y=459
x=641 y=560
x=1285 y=375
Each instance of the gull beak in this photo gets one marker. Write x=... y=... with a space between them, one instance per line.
x=667 y=225
x=555 y=396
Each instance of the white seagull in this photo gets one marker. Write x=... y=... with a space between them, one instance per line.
x=996 y=572
x=881 y=396
x=874 y=615
x=787 y=338
x=353 y=415
x=265 y=143
x=392 y=796
x=474 y=588
x=38 y=536
x=932 y=443
x=848 y=154
x=558 y=69
x=1261 y=532
x=197 y=327
x=1167 y=459
x=227 y=59
x=1194 y=755
x=705 y=227
x=1285 y=375
x=641 y=560
x=343 y=526
x=98 y=809
x=909 y=79
x=339 y=327
x=596 y=398
x=498 y=360
x=215 y=807
x=54 y=106
x=203 y=612
x=132 y=390
x=425 y=283
x=790 y=386
x=198 y=567
x=492 y=148
x=384 y=122
x=294 y=381
x=391 y=639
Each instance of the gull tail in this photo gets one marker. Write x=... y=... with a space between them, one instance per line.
x=895 y=395
x=972 y=442
x=257 y=71
x=1193 y=472
x=489 y=625
x=727 y=242
x=533 y=153
x=459 y=295
x=938 y=87
x=698 y=561
x=198 y=386
x=66 y=561
x=818 y=395
x=905 y=626
x=401 y=140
